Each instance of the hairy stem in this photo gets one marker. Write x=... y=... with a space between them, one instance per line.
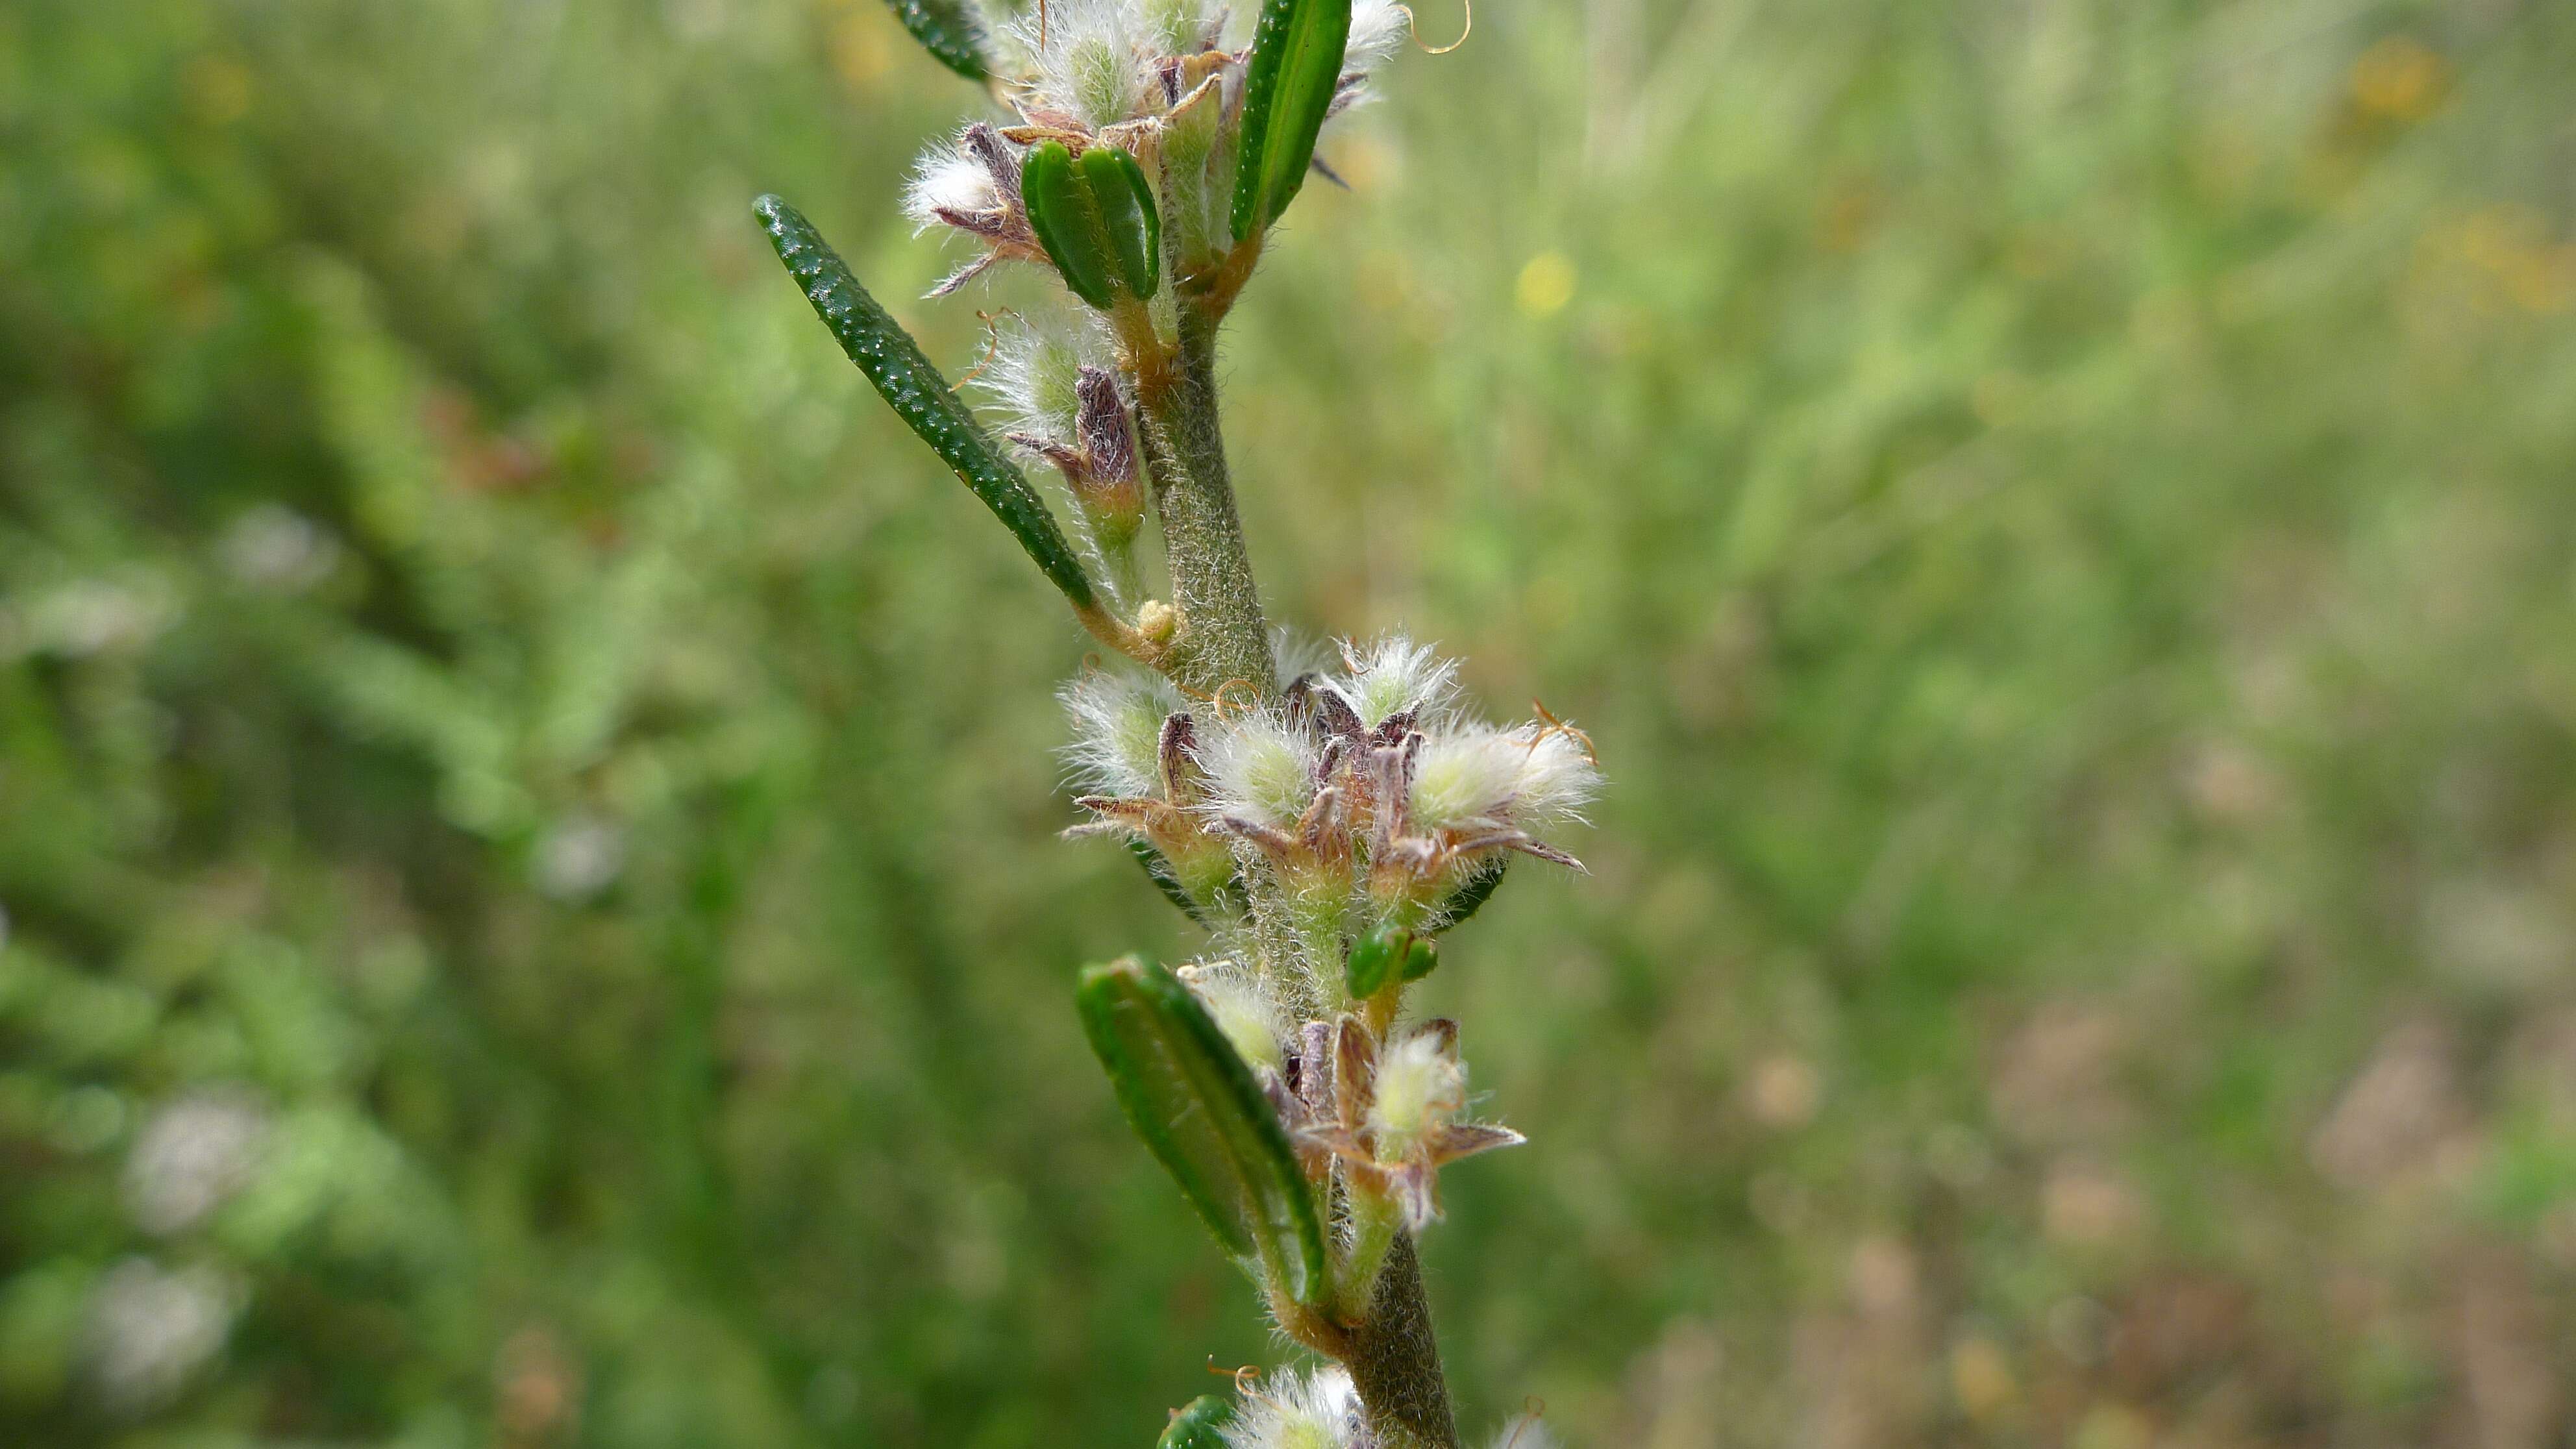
x=1395 y=1361
x=1225 y=646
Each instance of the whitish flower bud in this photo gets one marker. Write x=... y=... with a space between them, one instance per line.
x=1420 y=1089
x=1531 y=776
x=1393 y=675
x=1235 y=1000
x=1088 y=65
x=1464 y=777
x=1259 y=769
x=1289 y=1410
x=951 y=187
x=1557 y=777
x=972 y=184
x=1117 y=731
x=1035 y=379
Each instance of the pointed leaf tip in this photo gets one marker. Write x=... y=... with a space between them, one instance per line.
x=1288 y=86
x=1198 y=1108
x=918 y=394
x=947 y=29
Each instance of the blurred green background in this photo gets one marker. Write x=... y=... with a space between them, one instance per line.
x=526 y=802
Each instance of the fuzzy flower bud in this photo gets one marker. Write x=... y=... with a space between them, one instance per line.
x=1117 y=731
x=1393 y=675
x=1420 y=1089
x=951 y=188
x=1289 y=1410
x=1530 y=776
x=972 y=184
x=1087 y=62
x=1259 y=770
x=1236 y=1002
x=1396 y=1114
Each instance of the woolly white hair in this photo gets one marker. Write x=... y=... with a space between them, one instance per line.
x=1032 y=375
x=1182 y=27
x=1248 y=1015
x=1531 y=776
x=1088 y=58
x=1557 y=778
x=947 y=178
x=1117 y=731
x=1258 y=768
x=1378 y=28
x=1419 y=1087
x=1318 y=1410
x=1392 y=673
x=1294 y=653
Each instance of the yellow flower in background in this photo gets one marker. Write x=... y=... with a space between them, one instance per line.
x=1546 y=284
x=2401 y=79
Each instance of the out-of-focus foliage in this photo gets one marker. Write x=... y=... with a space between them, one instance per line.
x=525 y=803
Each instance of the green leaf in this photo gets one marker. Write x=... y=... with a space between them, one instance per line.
x=1288 y=86
x=1192 y=1099
x=1159 y=871
x=1125 y=202
x=1199 y=1425
x=947 y=29
x=1067 y=221
x=1470 y=897
x=919 y=395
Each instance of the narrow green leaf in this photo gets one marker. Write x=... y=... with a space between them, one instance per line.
x=1125 y=201
x=1470 y=897
x=947 y=29
x=1288 y=86
x=919 y=395
x=1199 y=1425
x=1066 y=220
x=1192 y=1099
x=1159 y=871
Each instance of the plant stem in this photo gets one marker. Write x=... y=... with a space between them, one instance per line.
x=1224 y=639
x=1395 y=1360
x=1391 y=1352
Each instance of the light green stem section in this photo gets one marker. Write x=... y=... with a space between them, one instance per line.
x=1226 y=639
x=1374 y=1220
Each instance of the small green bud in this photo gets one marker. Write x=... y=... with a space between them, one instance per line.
x=1419 y=959
x=1125 y=201
x=1096 y=219
x=1374 y=959
x=1066 y=223
x=1198 y=1425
